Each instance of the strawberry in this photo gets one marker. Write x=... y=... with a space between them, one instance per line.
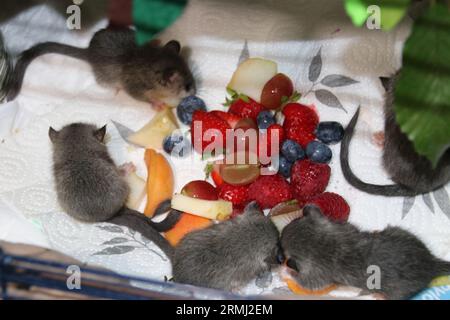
x=332 y=206
x=208 y=121
x=300 y=123
x=299 y=134
x=244 y=109
x=238 y=195
x=309 y=179
x=265 y=143
x=269 y=190
x=231 y=118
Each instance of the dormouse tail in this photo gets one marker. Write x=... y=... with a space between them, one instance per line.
x=442 y=267
x=26 y=57
x=392 y=190
x=148 y=228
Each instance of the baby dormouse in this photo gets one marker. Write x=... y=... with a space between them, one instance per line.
x=150 y=73
x=91 y=188
x=412 y=173
x=322 y=252
x=228 y=255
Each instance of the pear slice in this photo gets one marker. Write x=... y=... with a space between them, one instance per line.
x=210 y=209
x=251 y=76
x=151 y=136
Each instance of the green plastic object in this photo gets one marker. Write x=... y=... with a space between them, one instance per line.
x=422 y=93
x=152 y=16
x=391 y=11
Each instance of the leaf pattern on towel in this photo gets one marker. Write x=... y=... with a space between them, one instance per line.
x=116 y=240
x=325 y=96
x=408 y=203
x=126 y=243
x=315 y=68
x=245 y=53
x=337 y=80
x=111 y=228
x=440 y=196
x=427 y=199
x=443 y=200
x=328 y=98
x=115 y=250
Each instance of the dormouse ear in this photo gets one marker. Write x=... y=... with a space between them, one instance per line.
x=53 y=134
x=253 y=208
x=174 y=46
x=385 y=81
x=312 y=211
x=99 y=134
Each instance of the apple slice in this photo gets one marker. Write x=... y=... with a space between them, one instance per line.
x=251 y=76
x=151 y=136
x=284 y=213
x=210 y=209
x=137 y=190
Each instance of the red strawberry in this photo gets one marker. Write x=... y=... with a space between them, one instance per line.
x=265 y=142
x=332 y=206
x=244 y=109
x=208 y=121
x=269 y=190
x=299 y=134
x=230 y=118
x=309 y=179
x=238 y=195
x=300 y=123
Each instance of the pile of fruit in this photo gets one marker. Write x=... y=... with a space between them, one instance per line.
x=262 y=99
x=290 y=134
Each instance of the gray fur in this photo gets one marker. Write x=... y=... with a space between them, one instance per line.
x=89 y=186
x=229 y=254
x=327 y=252
x=412 y=173
x=148 y=73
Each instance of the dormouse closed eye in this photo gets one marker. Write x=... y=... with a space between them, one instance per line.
x=292 y=264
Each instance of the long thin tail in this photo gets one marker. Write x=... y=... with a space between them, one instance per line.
x=392 y=190
x=145 y=226
x=442 y=267
x=26 y=57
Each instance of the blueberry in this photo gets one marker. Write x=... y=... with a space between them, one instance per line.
x=284 y=167
x=176 y=145
x=265 y=119
x=292 y=150
x=329 y=132
x=187 y=107
x=318 y=152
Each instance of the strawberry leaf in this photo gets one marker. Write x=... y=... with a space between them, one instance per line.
x=244 y=98
x=208 y=169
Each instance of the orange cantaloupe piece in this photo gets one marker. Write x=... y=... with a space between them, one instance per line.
x=185 y=225
x=298 y=289
x=160 y=181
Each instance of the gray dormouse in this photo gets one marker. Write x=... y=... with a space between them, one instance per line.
x=150 y=73
x=321 y=252
x=412 y=173
x=228 y=255
x=90 y=188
